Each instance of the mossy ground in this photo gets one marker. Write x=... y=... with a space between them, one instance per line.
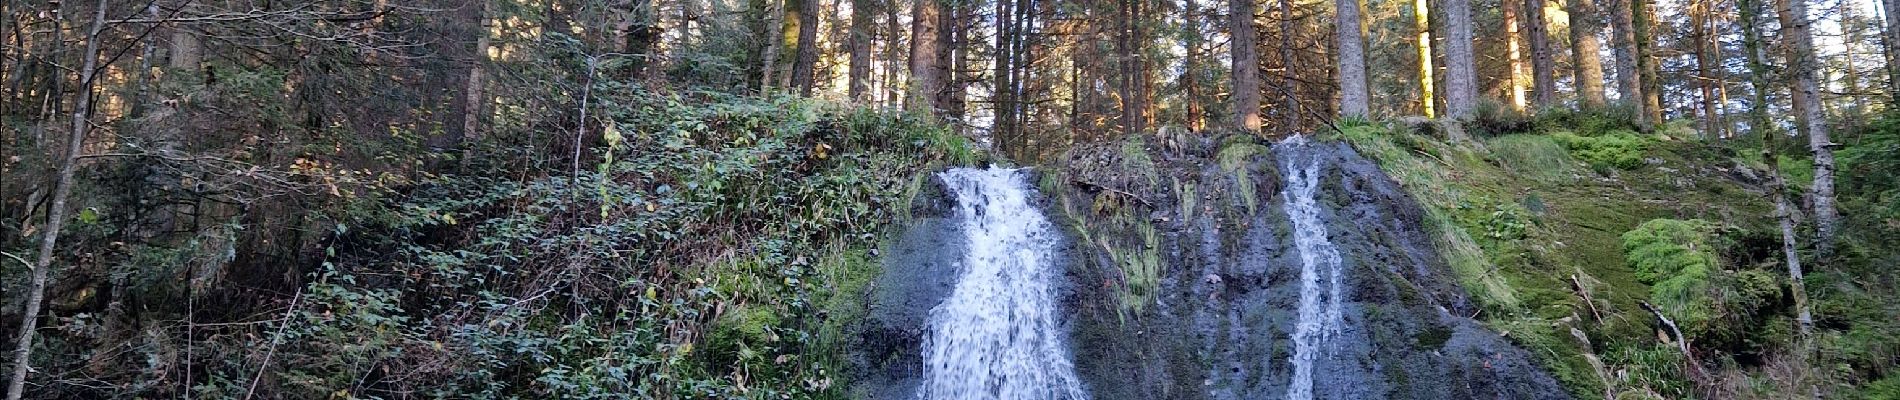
x=1577 y=196
x=1571 y=213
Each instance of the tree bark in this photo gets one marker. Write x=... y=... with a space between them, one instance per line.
x=859 y=76
x=1514 y=52
x=1647 y=64
x=472 y=101
x=805 y=66
x=1543 y=61
x=1355 y=98
x=1761 y=125
x=1588 y=71
x=186 y=52
x=1246 y=59
x=773 y=32
x=1623 y=31
x=925 y=81
x=1891 y=38
x=56 y=213
x=1421 y=19
x=1461 y=71
x=1802 y=68
x=1705 y=53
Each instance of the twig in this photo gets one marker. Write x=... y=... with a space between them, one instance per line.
x=29 y=266
x=1578 y=285
x=272 y=350
x=1682 y=342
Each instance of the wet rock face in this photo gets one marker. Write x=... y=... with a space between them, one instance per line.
x=919 y=270
x=1220 y=321
x=1224 y=318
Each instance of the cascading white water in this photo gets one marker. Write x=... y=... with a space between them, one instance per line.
x=995 y=336
x=1319 y=314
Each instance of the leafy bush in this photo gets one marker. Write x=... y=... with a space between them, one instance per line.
x=1616 y=149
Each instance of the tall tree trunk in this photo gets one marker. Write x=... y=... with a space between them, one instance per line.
x=1005 y=70
x=1761 y=125
x=774 y=33
x=1355 y=97
x=862 y=26
x=1514 y=52
x=1705 y=54
x=1891 y=39
x=1584 y=47
x=804 y=67
x=1802 y=67
x=1461 y=71
x=472 y=101
x=1647 y=63
x=1543 y=61
x=1421 y=18
x=56 y=213
x=1623 y=48
x=1246 y=58
x=186 y=52
x=926 y=80
x=955 y=57
x=1191 y=66
x=1851 y=29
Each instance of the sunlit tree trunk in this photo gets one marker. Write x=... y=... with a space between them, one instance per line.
x=1802 y=68
x=472 y=102
x=1246 y=71
x=1543 y=60
x=1588 y=71
x=1421 y=18
x=804 y=67
x=1514 y=53
x=926 y=79
x=1892 y=39
x=859 y=76
x=773 y=33
x=1355 y=98
x=1461 y=71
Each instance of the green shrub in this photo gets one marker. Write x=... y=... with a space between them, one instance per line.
x=1884 y=389
x=1675 y=258
x=1616 y=149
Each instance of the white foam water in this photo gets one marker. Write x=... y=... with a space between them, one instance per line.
x=996 y=335
x=1319 y=314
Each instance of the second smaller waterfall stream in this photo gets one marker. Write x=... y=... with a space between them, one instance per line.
x=996 y=336
x=1319 y=314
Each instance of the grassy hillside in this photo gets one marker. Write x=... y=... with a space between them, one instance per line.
x=1562 y=227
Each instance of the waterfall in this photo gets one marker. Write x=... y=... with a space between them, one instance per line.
x=1319 y=315
x=996 y=335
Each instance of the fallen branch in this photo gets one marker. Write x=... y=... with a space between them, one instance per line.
x=1578 y=286
x=1682 y=343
